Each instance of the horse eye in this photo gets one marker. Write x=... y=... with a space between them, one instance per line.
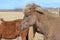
x=29 y=8
x=26 y=15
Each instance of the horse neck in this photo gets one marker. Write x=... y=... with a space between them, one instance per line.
x=42 y=24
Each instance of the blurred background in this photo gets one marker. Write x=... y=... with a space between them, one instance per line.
x=17 y=4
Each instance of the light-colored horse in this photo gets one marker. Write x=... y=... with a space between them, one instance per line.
x=46 y=23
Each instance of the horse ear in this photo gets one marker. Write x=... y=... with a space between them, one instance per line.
x=2 y=19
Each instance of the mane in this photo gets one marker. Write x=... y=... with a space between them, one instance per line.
x=35 y=8
x=39 y=12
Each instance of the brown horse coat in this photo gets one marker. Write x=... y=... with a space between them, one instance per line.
x=10 y=29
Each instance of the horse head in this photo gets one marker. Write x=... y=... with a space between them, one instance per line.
x=30 y=16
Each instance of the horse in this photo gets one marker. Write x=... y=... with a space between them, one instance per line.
x=10 y=29
x=46 y=23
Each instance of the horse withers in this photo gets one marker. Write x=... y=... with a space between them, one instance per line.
x=45 y=23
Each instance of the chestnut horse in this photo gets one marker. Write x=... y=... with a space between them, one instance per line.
x=45 y=23
x=10 y=29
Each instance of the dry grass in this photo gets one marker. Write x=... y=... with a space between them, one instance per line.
x=11 y=15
